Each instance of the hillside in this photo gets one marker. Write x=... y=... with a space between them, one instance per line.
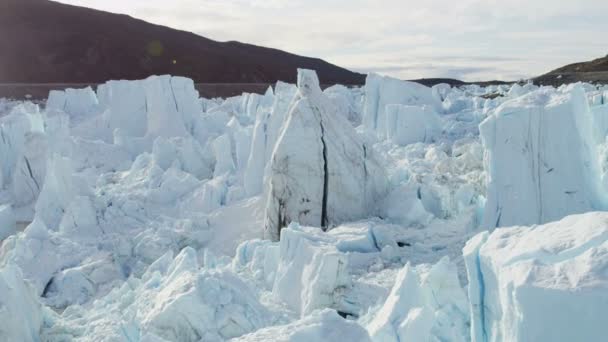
x=48 y=42
x=595 y=71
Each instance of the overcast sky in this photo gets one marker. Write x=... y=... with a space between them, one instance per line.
x=465 y=39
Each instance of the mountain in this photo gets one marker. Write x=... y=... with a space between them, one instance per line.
x=48 y=42
x=595 y=71
x=429 y=82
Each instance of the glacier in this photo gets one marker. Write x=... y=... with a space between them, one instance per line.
x=139 y=211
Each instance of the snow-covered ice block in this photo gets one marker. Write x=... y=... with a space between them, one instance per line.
x=265 y=134
x=209 y=197
x=516 y=91
x=57 y=191
x=348 y=102
x=23 y=119
x=260 y=257
x=30 y=169
x=21 y=314
x=423 y=305
x=224 y=161
x=321 y=173
x=600 y=123
x=126 y=107
x=8 y=224
x=77 y=103
x=184 y=153
x=310 y=269
x=166 y=106
x=441 y=91
x=411 y=124
x=540 y=283
x=40 y=254
x=174 y=300
x=202 y=306
x=541 y=159
x=404 y=205
x=321 y=326
x=381 y=91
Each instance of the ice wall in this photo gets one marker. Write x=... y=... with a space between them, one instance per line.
x=542 y=283
x=541 y=159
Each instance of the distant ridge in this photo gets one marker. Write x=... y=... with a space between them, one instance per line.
x=48 y=42
x=429 y=82
x=595 y=71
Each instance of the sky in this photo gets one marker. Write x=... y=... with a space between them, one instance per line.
x=472 y=40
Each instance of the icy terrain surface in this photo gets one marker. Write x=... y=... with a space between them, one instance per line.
x=393 y=212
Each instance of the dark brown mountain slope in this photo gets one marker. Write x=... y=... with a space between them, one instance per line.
x=47 y=42
x=595 y=71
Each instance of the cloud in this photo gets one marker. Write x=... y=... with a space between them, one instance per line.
x=403 y=38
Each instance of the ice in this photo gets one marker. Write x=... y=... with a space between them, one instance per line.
x=411 y=124
x=367 y=195
x=441 y=91
x=30 y=169
x=322 y=326
x=321 y=173
x=542 y=283
x=348 y=102
x=222 y=148
x=157 y=106
x=174 y=300
x=381 y=91
x=184 y=153
x=78 y=103
x=20 y=132
x=57 y=192
x=424 y=305
x=600 y=122
x=266 y=132
x=310 y=270
x=542 y=159
x=21 y=314
x=8 y=223
x=126 y=105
